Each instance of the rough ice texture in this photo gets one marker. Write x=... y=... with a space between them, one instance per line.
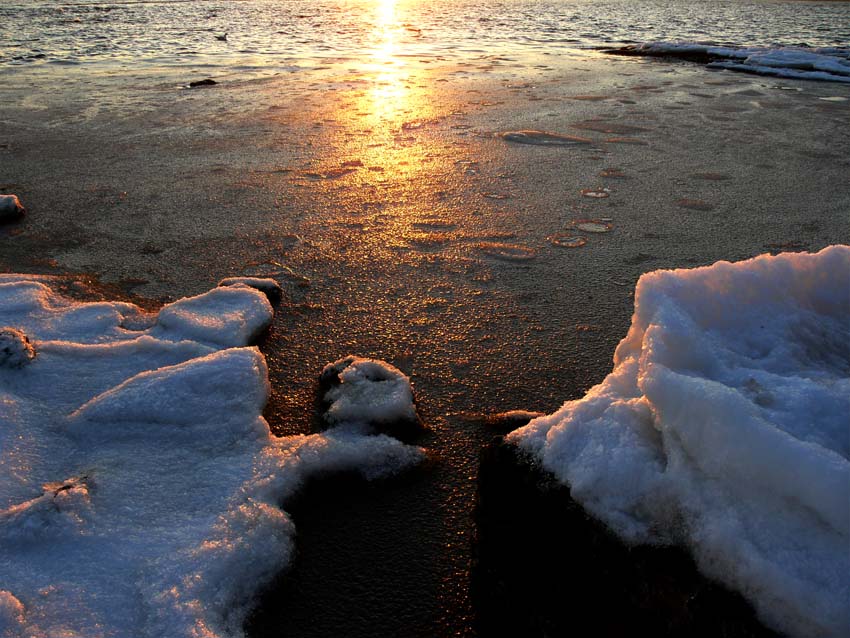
x=367 y=392
x=724 y=426
x=828 y=63
x=139 y=484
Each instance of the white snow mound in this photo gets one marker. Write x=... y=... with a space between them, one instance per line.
x=724 y=426
x=139 y=484
x=367 y=392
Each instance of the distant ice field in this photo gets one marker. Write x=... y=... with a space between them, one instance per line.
x=290 y=35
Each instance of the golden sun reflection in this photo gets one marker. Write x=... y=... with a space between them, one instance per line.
x=383 y=141
x=387 y=69
x=388 y=116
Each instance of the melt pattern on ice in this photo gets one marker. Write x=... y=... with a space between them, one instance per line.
x=139 y=484
x=724 y=427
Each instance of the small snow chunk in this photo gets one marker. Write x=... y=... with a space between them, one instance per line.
x=226 y=316
x=368 y=392
x=266 y=285
x=10 y=208
x=16 y=351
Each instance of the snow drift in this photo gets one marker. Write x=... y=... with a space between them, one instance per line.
x=139 y=483
x=724 y=426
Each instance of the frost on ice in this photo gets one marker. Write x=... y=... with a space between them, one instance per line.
x=139 y=484
x=724 y=426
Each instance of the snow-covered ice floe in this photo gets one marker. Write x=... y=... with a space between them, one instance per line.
x=826 y=63
x=725 y=426
x=139 y=484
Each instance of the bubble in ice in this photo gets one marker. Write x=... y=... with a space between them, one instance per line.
x=595 y=193
x=567 y=240
x=542 y=138
x=614 y=173
x=506 y=252
x=592 y=225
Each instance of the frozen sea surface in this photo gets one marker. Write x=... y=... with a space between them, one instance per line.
x=140 y=485
x=291 y=35
x=723 y=426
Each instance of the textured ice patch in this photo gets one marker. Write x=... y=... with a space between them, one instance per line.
x=139 y=484
x=723 y=426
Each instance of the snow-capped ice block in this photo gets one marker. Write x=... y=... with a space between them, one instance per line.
x=139 y=483
x=367 y=392
x=724 y=427
x=226 y=316
x=10 y=208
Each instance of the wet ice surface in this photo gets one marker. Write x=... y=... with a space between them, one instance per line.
x=730 y=376
x=379 y=235
x=141 y=486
